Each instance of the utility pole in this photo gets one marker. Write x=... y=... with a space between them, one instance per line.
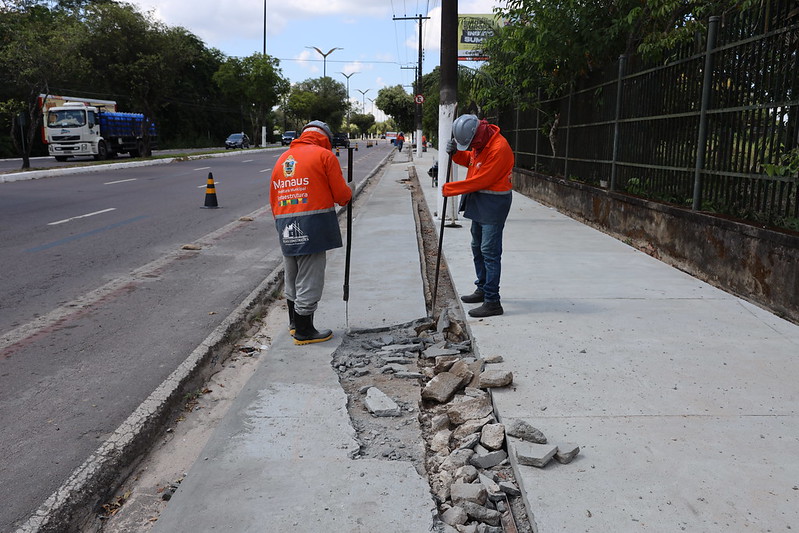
x=449 y=89
x=418 y=97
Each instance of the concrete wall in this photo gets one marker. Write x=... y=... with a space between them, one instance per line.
x=757 y=264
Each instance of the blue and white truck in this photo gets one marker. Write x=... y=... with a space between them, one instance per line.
x=83 y=127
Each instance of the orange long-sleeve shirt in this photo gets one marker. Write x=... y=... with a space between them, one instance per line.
x=487 y=188
x=489 y=170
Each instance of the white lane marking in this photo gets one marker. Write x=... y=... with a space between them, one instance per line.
x=118 y=181
x=81 y=216
x=266 y=169
x=248 y=160
x=202 y=168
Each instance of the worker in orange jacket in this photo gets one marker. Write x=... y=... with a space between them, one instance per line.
x=487 y=191
x=306 y=184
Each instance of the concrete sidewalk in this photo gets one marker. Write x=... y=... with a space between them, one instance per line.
x=682 y=398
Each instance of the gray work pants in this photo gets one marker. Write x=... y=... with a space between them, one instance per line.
x=304 y=281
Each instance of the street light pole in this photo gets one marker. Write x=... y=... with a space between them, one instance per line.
x=324 y=57
x=363 y=93
x=265 y=6
x=348 y=76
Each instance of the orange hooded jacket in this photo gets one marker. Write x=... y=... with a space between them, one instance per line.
x=487 y=187
x=306 y=184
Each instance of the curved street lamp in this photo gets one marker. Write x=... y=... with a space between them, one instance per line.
x=363 y=93
x=348 y=76
x=324 y=57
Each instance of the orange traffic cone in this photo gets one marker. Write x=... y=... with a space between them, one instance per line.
x=210 y=194
x=337 y=151
x=356 y=147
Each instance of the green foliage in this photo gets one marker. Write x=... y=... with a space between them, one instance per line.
x=256 y=84
x=322 y=99
x=549 y=44
x=397 y=103
x=362 y=121
x=110 y=50
x=788 y=165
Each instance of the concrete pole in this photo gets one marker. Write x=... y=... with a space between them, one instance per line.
x=449 y=90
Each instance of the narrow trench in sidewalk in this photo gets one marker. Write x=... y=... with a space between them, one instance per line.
x=391 y=360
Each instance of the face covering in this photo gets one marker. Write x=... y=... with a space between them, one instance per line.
x=481 y=136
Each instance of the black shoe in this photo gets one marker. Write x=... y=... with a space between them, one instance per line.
x=306 y=333
x=473 y=298
x=292 y=327
x=487 y=309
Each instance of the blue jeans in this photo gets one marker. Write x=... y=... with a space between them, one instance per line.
x=487 y=256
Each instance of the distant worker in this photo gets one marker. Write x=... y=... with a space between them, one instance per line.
x=400 y=141
x=306 y=184
x=480 y=147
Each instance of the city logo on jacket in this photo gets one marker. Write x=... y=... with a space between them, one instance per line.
x=288 y=166
x=293 y=235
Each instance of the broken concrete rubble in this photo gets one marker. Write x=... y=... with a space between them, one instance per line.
x=531 y=454
x=442 y=387
x=493 y=436
x=381 y=405
x=471 y=409
x=495 y=378
x=566 y=453
x=525 y=431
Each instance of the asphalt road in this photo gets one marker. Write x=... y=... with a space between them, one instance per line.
x=99 y=302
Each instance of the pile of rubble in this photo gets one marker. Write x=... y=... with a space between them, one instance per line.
x=464 y=453
x=468 y=463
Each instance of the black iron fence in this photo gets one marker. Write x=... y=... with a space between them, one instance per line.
x=715 y=129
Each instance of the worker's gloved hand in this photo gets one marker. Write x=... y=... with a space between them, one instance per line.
x=451 y=147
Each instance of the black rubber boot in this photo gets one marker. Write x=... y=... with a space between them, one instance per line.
x=487 y=309
x=292 y=328
x=473 y=298
x=306 y=333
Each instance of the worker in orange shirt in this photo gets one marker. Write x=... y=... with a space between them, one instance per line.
x=487 y=191
x=306 y=184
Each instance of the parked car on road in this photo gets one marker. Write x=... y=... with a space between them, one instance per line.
x=287 y=137
x=237 y=140
x=341 y=139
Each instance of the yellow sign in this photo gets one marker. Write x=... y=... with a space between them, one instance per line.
x=473 y=30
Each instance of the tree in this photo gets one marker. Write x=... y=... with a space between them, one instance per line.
x=319 y=99
x=257 y=84
x=363 y=121
x=397 y=103
x=34 y=42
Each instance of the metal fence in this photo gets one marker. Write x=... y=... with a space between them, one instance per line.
x=716 y=129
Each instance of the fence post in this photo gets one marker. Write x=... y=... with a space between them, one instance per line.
x=701 y=143
x=622 y=65
x=516 y=140
x=568 y=132
x=537 y=130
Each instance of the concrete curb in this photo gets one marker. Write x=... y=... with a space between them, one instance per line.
x=66 y=171
x=77 y=499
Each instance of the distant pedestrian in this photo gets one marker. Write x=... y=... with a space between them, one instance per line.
x=400 y=141
x=487 y=191
x=306 y=184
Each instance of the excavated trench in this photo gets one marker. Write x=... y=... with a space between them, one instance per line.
x=384 y=372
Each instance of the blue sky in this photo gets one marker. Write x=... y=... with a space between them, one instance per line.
x=372 y=44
